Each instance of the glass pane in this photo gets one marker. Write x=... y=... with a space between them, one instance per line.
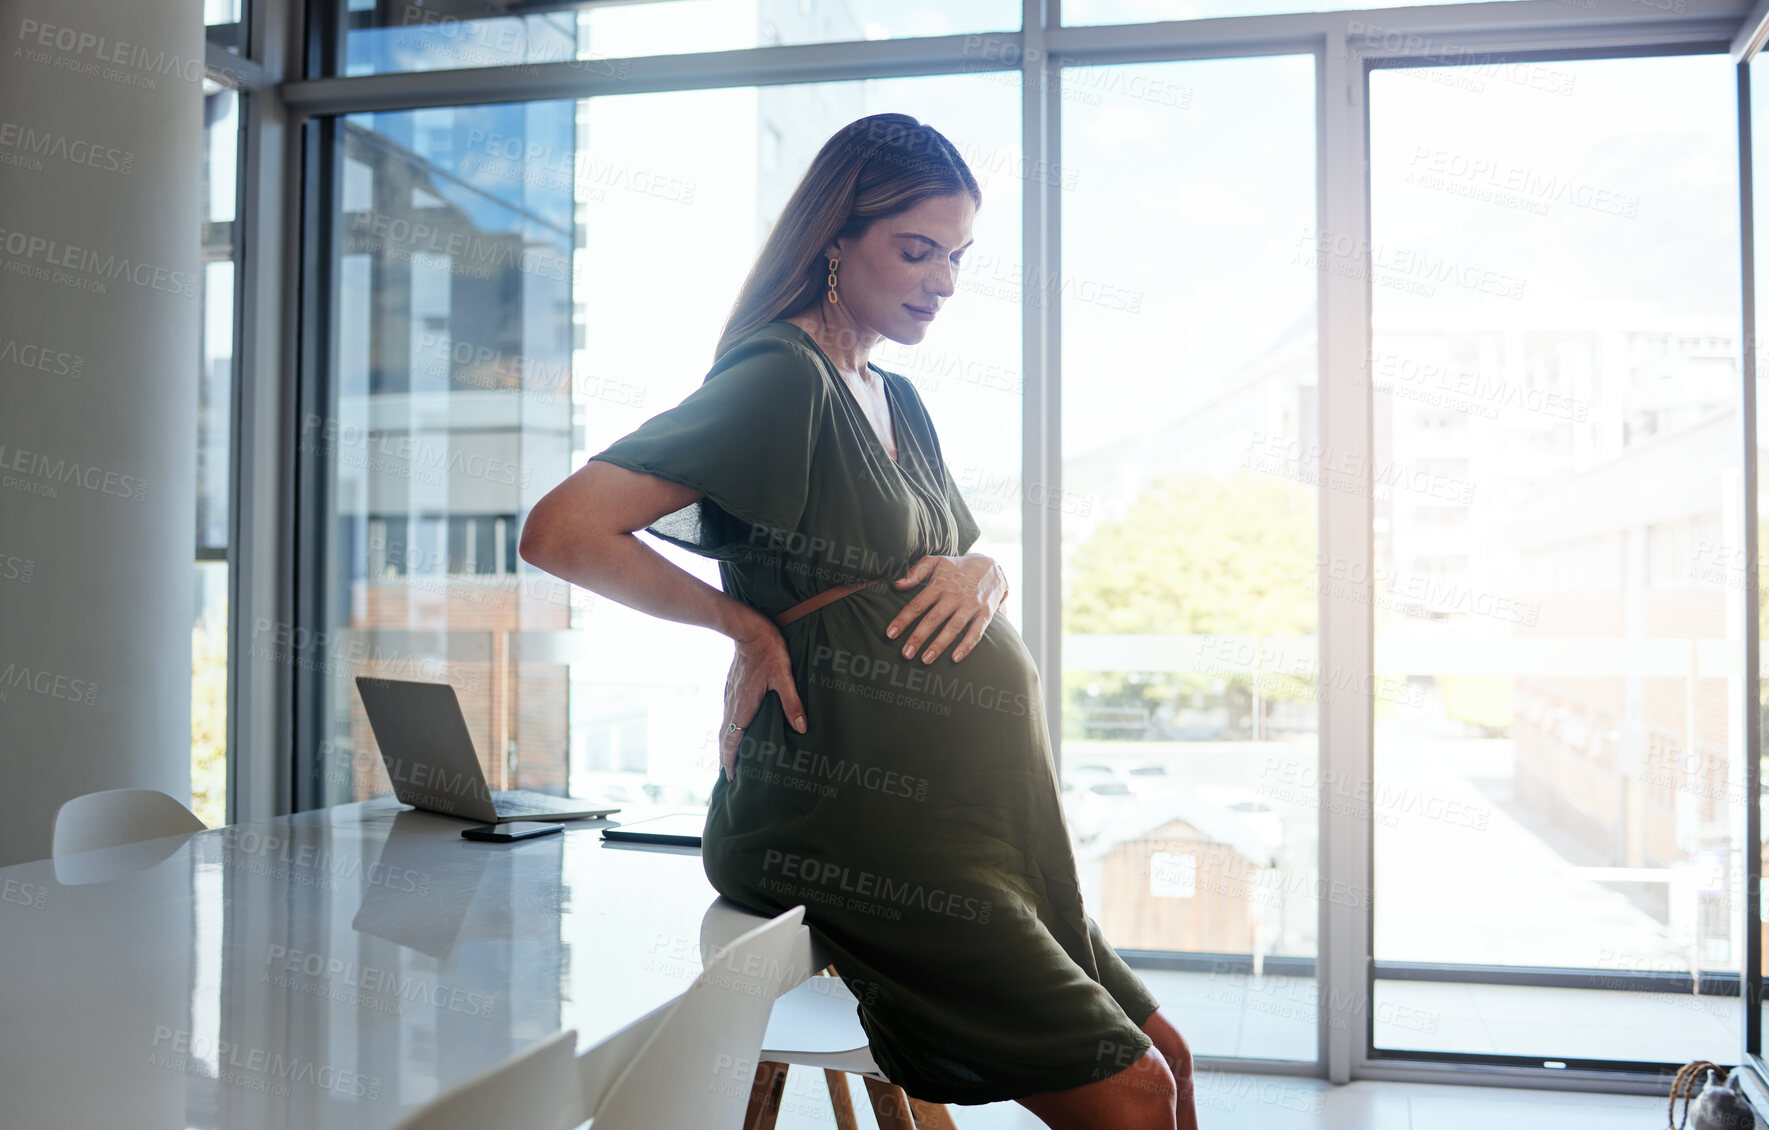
x=215 y=405
x=221 y=129
x=208 y=695
x=1188 y=688
x=1555 y=366
x=224 y=22
x=214 y=408
x=468 y=33
x=1079 y=12
x=453 y=306
x=519 y=286
x=1735 y=568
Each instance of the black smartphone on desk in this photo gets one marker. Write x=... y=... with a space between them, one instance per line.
x=514 y=830
x=680 y=829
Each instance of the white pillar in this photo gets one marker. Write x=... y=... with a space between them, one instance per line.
x=101 y=170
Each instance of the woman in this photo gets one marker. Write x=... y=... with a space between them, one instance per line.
x=884 y=754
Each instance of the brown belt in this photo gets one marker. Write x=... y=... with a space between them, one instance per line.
x=827 y=596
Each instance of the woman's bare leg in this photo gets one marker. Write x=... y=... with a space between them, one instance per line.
x=1178 y=1055
x=1140 y=1097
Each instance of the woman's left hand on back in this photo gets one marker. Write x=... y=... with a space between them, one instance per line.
x=961 y=596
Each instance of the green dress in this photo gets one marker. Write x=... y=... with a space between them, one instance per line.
x=918 y=819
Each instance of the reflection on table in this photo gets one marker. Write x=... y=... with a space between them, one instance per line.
x=336 y=968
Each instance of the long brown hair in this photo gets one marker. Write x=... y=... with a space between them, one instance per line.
x=878 y=166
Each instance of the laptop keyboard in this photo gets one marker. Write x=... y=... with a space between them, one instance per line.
x=522 y=802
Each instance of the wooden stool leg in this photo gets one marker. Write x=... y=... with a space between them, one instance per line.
x=841 y=1099
x=764 y=1096
x=889 y=1105
x=931 y=1116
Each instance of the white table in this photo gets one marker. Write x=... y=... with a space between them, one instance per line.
x=336 y=968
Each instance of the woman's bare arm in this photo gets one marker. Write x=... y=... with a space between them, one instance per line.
x=582 y=532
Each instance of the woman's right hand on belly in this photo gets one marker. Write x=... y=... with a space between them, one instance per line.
x=761 y=664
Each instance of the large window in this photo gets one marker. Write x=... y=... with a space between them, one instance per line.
x=1558 y=521
x=215 y=388
x=1190 y=662
x=515 y=288
x=1519 y=819
x=1740 y=569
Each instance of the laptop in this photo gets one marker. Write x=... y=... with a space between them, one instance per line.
x=430 y=758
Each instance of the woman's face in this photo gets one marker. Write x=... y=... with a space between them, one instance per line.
x=893 y=280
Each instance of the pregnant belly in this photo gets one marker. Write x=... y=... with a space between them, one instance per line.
x=850 y=647
x=911 y=765
x=975 y=717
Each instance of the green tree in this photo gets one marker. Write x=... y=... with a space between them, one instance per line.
x=1201 y=554
x=1196 y=555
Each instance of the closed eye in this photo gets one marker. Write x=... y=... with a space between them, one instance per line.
x=957 y=260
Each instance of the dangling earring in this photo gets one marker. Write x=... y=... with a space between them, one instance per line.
x=832 y=264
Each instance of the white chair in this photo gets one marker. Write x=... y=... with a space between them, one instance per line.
x=686 y=1064
x=694 y=1070
x=815 y=1024
x=119 y=816
x=537 y=1089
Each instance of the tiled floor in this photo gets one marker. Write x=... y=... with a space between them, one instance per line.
x=1268 y=1102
